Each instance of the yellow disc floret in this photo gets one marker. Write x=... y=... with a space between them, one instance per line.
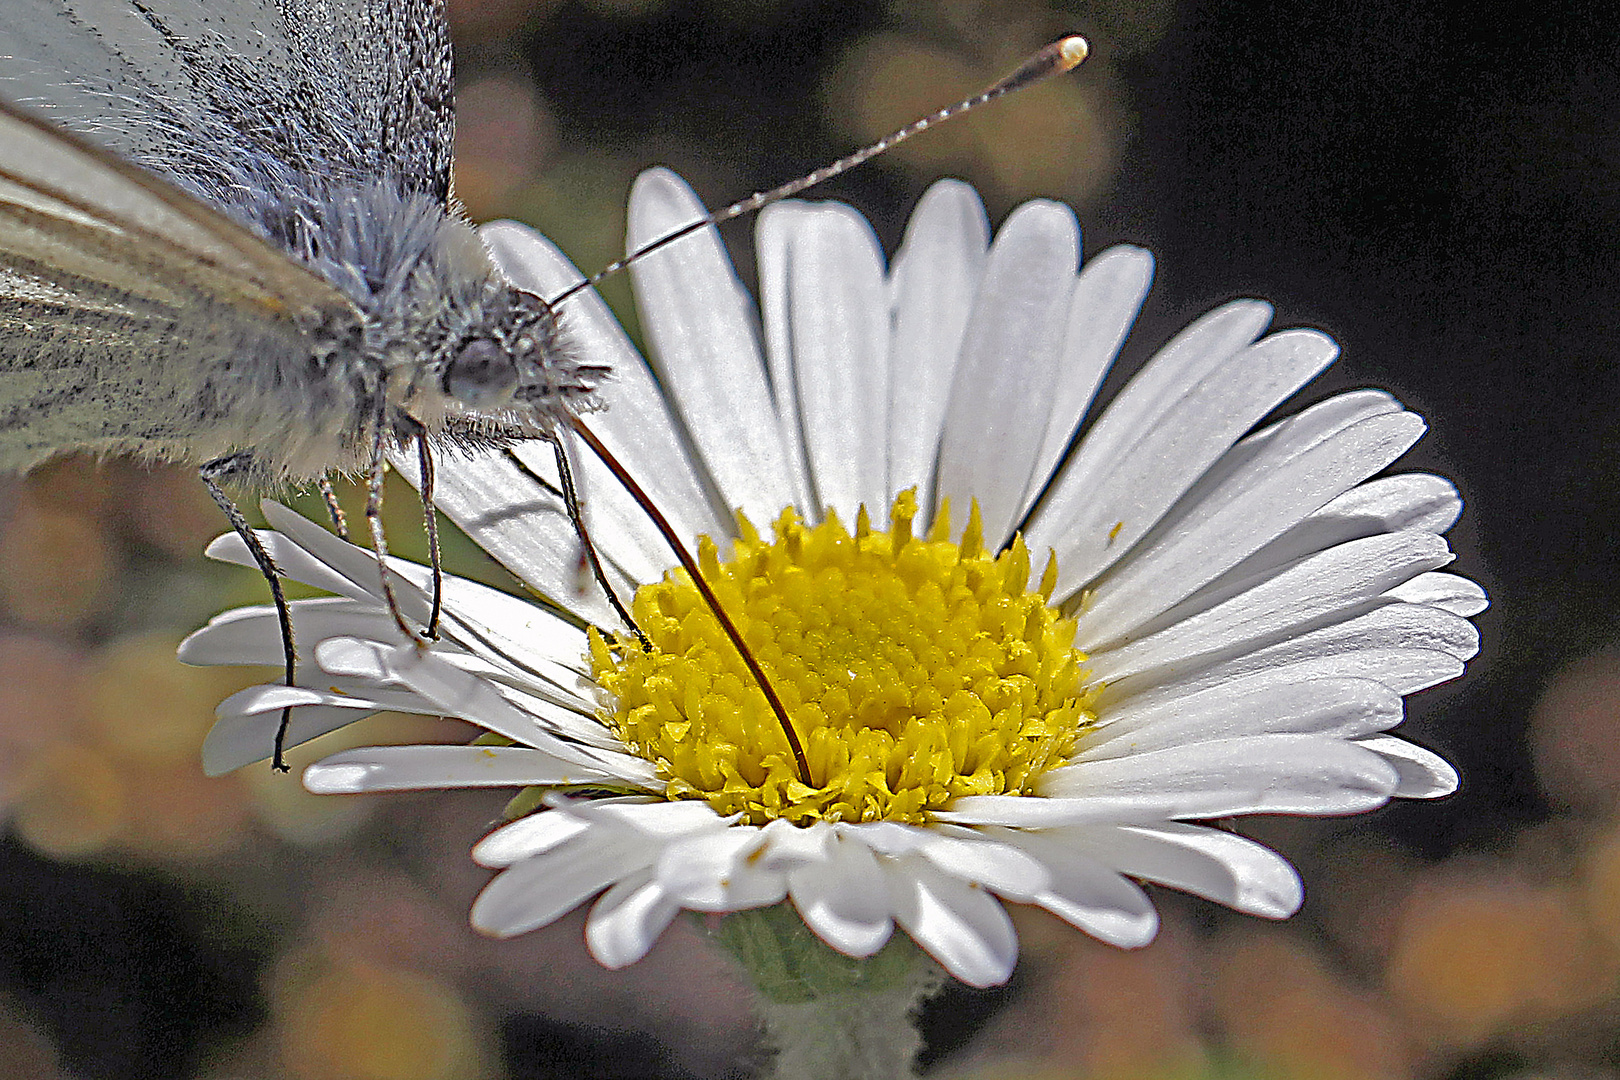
x=912 y=669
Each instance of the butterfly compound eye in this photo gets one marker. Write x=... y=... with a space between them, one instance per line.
x=481 y=374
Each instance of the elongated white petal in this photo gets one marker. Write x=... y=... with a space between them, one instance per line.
x=526 y=837
x=1194 y=353
x=1264 y=774
x=932 y=284
x=653 y=818
x=1423 y=773
x=1281 y=485
x=1331 y=585
x=713 y=871
x=1390 y=504
x=407 y=768
x=997 y=416
x=1407 y=647
x=239 y=740
x=1259 y=705
x=458 y=693
x=964 y=928
x=1167 y=459
x=639 y=428
x=788 y=847
x=1102 y=308
x=252 y=635
x=627 y=919
x=700 y=323
x=542 y=888
x=998 y=867
x=1449 y=592
x=827 y=343
x=522 y=523
x=292 y=560
x=1220 y=866
x=843 y=898
x=356 y=564
x=1049 y=812
x=1089 y=893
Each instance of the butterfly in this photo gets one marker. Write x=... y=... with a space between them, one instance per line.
x=228 y=239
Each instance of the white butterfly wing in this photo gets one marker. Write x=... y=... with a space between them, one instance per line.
x=198 y=90
x=133 y=316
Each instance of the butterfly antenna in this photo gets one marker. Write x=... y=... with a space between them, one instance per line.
x=1060 y=56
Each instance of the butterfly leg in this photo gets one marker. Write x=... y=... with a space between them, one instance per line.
x=212 y=473
x=379 y=543
x=570 y=494
x=424 y=460
x=340 y=520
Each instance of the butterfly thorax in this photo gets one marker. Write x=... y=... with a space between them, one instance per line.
x=435 y=340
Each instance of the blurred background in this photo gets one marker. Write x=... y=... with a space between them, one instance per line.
x=1437 y=185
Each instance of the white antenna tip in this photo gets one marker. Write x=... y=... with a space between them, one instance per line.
x=1072 y=50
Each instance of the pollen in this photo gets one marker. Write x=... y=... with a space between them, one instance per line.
x=913 y=670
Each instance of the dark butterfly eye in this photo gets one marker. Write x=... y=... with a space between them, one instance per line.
x=480 y=374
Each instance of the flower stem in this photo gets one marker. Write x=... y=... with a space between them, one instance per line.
x=828 y=1016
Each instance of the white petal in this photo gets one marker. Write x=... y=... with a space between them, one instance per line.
x=1087 y=893
x=626 y=921
x=788 y=847
x=963 y=927
x=1424 y=774
x=1001 y=397
x=1330 y=586
x=700 y=324
x=1341 y=708
x=1407 y=647
x=541 y=889
x=358 y=565
x=1280 y=485
x=714 y=872
x=887 y=837
x=843 y=897
x=827 y=336
x=293 y=561
x=1361 y=652
x=1220 y=866
x=1001 y=868
x=527 y=836
x=252 y=635
x=235 y=741
x=1449 y=592
x=1105 y=303
x=659 y=819
x=273 y=697
x=1263 y=774
x=933 y=281
x=1047 y=812
x=406 y=768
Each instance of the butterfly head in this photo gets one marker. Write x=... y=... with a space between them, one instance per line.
x=516 y=357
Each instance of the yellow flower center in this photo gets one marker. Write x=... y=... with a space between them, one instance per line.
x=912 y=669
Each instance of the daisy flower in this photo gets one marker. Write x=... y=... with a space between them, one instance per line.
x=1017 y=657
